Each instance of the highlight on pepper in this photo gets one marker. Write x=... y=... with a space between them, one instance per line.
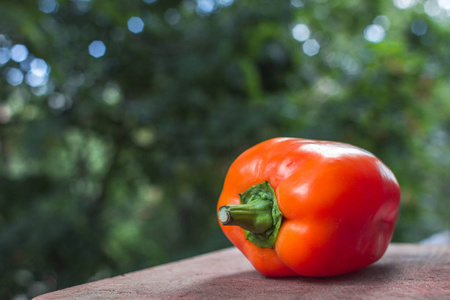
x=312 y=208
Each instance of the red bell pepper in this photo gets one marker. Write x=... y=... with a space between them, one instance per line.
x=312 y=208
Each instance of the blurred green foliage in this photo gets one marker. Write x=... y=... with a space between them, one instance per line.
x=115 y=163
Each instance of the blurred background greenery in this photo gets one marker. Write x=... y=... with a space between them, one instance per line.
x=119 y=119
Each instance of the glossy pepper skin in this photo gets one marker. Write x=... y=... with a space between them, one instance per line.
x=339 y=206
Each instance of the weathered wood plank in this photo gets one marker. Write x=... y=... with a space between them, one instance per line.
x=405 y=271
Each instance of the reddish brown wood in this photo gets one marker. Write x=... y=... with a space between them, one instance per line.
x=405 y=271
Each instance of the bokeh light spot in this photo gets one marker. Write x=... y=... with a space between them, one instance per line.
x=48 y=6
x=172 y=16
x=35 y=80
x=297 y=3
x=14 y=76
x=383 y=21
x=57 y=101
x=328 y=86
x=39 y=67
x=135 y=25
x=19 y=53
x=111 y=94
x=5 y=55
x=311 y=47
x=301 y=32
x=445 y=4
x=374 y=33
x=225 y=2
x=404 y=4
x=97 y=49
x=432 y=8
x=419 y=27
x=82 y=6
x=205 y=6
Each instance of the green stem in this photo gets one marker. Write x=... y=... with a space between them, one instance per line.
x=255 y=217
x=258 y=215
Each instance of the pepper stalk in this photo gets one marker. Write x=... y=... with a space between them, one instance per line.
x=258 y=214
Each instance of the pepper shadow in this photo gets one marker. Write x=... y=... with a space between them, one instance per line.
x=370 y=281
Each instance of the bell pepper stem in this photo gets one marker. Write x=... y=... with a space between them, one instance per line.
x=258 y=214
x=254 y=217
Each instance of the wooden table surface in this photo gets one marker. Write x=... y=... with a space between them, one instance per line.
x=405 y=272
